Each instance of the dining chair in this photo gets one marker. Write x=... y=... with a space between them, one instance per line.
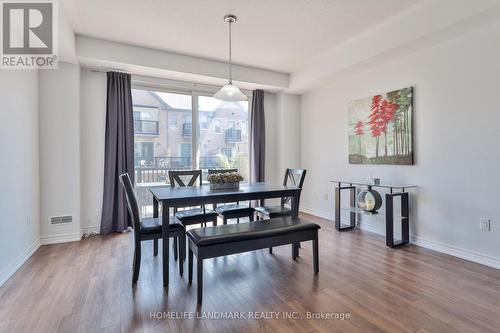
x=232 y=210
x=293 y=177
x=191 y=216
x=149 y=229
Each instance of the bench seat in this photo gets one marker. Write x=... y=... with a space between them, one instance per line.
x=247 y=231
x=230 y=239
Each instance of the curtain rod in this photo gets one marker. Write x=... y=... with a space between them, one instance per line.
x=100 y=70
x=149 y=80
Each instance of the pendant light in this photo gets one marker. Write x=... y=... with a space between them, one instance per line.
x=230 y=92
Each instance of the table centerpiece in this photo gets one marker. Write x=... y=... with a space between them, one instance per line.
x=225 y=181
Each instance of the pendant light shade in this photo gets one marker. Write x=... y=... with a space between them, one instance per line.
x=230 y=93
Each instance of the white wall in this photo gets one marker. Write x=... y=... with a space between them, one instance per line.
x=59 y=152
x=92 y=137
x=456 y=134
x=288 y=132
x=19 y=197
x=94 y=52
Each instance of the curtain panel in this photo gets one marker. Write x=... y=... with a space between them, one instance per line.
x=119 y=152
x=257 y=138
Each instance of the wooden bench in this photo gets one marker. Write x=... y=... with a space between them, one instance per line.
x=229 y=239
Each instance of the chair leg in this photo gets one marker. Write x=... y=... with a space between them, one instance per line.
x=270 y=250
x=250 y=217
x=237 y=220
x=199 y=280
x=137 y=263
x=224 y=220
x=181 y=255
x=174 y=245
x=183 y=247
x=295 y=251
x=214 y=222
x=190 y=266
x=155 y=247
x=315 y=254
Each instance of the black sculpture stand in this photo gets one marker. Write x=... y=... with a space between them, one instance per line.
x=389 y=219
x=352 y=215
x=389 y=207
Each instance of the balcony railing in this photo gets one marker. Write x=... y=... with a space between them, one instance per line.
x=156 y=170
x=187 y=130
x=233 y=135
x=146 y=127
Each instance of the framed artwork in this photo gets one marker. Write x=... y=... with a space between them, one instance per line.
x=381 y=129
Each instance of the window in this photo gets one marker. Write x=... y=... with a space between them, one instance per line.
x=146 y=120
x=158 y=143
x=217 y=127
x=144 y=153
x=204 y=118
x=229 y=150
x=172 y=120
x=165 y=138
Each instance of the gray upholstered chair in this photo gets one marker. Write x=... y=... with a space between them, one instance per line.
x=232 y=210
x=149 y=229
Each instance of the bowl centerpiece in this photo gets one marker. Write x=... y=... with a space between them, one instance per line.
x=225 y=181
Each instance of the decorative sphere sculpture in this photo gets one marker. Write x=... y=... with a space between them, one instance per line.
x=369 y=200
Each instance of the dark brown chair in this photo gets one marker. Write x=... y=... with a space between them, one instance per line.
x=293 y=177
x=191 y=215
x=234 y=210
x=149 y=229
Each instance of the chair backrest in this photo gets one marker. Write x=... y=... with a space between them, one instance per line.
x=191 y=176
x=212 y=171
x=133 y=209
x=293 y=177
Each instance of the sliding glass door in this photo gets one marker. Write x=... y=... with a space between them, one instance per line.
x=223 y=135
x=183 y=131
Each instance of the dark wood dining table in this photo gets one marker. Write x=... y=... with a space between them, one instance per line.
x=177 y=197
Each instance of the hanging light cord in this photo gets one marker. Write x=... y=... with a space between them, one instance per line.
x=230 y=58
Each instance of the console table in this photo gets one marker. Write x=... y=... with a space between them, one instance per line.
x=395 y=190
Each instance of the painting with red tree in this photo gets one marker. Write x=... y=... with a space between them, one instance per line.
x=381 y=129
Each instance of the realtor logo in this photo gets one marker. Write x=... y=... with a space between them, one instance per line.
x=29 y=34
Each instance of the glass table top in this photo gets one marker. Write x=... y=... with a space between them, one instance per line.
x=372 y=183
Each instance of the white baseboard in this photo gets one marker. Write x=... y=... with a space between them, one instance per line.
x=455 y=251
x=56 y=239
x=473 y=256
x=319 y=213
x=91 y=230
x=8 y=271
x=372 y=228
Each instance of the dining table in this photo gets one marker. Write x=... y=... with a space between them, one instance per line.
x=189 y=196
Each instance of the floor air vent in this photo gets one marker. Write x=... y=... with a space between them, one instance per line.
x=61 y=219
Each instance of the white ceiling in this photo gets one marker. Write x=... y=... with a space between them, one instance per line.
x=280 y=35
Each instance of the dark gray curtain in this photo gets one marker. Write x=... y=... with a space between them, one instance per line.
x=119 y=152
x=257 y=138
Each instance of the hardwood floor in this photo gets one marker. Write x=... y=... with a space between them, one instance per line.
x=86 y=287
